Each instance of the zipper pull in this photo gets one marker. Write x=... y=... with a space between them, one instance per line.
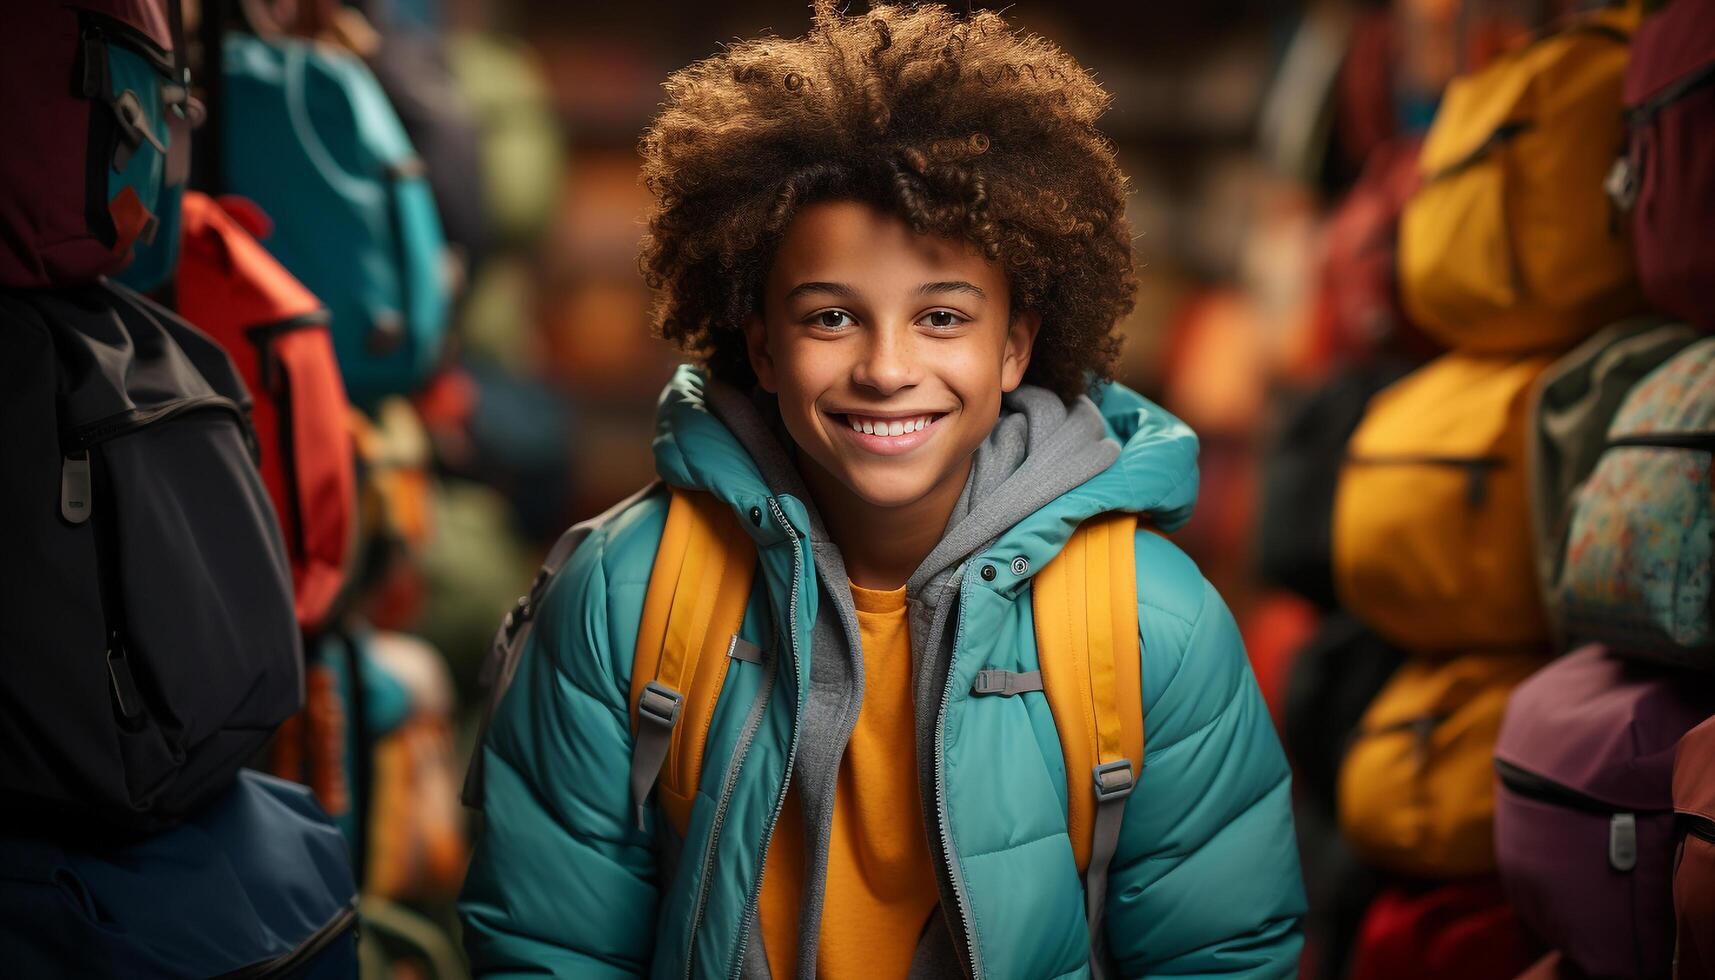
x=1477 y=484
x=75 y=486
x=1623 y=841
x=1423 y=732
x=127 y=700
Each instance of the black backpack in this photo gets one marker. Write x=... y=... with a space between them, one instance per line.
x=1301 y=472
x=147 y=641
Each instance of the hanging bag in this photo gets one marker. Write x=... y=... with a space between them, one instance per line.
x=92 y=103
x=1635 y=572
x=1667 y=181
x=1584 y=826
x=1432 y=543
x=1569 y=423
x=1417 y=786
x=146 y=632
x=1694 y=865
x=277 y=334
x=1511 y=244
x=305 y=131
x=254 y=884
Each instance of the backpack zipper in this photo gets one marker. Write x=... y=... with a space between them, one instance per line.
x=278 y=382
x=78 y=480
x=1622 y=821
x=1477 y=469
x=1647 y=110
x=1694 y=441
x=1699 y=827
x=1538 y=787
x=318 y=941
x=90 y=434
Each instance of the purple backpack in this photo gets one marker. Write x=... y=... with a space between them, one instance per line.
x=1584 y=826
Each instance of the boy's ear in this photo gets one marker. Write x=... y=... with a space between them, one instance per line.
x=756 y=348
x=1020 y=338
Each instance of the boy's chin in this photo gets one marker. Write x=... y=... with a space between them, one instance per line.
x=887 y=491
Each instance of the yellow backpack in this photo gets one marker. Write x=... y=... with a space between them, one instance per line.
x=1511 y=245
x=1417 y=785
x=1432 y=541
x=1085 y=606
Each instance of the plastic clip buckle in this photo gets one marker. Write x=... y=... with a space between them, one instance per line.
x=1113 y=780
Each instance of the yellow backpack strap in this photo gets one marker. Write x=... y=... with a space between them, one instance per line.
x=1085 y=605
x=692 y=612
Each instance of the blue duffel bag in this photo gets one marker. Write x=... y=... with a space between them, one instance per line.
x=256 y=884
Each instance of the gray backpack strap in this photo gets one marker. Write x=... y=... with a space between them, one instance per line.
x=1113 y=784
x=501 y=663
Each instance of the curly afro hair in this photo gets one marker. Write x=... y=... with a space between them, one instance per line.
x=961 y=126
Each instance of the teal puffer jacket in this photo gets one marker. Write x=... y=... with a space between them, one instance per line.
x=1205 y=881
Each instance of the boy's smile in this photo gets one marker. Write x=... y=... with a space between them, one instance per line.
x=889 y=352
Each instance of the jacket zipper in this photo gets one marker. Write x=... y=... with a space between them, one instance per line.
x=318 y=941
x=1477 y=469
x=752 y=723
x=949 y=859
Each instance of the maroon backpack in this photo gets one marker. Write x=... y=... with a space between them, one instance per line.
x=1584 y=810
x=1694 y=875
x=91 y=99
x=1668 y=176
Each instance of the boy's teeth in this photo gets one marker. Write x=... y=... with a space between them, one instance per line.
x=887 y=427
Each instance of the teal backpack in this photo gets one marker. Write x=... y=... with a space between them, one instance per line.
x=304 y=130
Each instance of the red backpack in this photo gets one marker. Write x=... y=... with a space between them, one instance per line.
x=1464 y=929
x=277 y=334
x=1694 y=875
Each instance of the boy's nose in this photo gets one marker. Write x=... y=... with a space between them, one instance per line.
x=888 y=363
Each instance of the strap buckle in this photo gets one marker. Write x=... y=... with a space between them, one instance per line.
x=1006 y=683
x=659 y=704
x=1113 y=780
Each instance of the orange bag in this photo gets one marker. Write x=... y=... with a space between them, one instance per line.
x=276 y=332
x=1417 y=786
x=1432 y=541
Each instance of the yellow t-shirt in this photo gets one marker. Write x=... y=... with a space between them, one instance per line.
x=881 y=883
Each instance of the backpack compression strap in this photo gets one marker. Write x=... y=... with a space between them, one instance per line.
x=1085 y=605
x=692 y=612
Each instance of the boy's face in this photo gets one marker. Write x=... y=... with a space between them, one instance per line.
x=889 y=351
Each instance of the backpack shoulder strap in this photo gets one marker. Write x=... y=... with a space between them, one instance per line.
x=1085 y=606
x=698 y=590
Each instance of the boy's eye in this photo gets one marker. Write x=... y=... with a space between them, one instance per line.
x=942 y=318
x=833 y=319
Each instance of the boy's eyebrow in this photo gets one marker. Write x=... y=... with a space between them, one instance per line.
x=951 y=286
x=839 y=289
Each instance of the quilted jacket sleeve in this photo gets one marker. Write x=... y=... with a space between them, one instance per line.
x=1206 y=880
x=561 y=883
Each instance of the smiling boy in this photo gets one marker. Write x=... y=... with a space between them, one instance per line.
x=897 y=248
